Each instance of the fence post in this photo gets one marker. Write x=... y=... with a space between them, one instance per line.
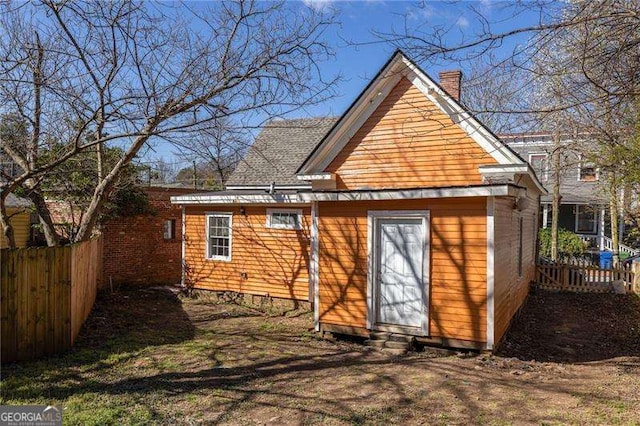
x=635 y=268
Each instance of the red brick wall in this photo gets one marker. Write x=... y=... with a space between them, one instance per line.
x=135 y=250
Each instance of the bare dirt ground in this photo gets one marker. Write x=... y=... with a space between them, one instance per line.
x=147 y=356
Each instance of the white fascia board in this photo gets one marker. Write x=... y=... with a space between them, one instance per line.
x=462 y=118
x=238 y=199
x=510 y=170
x=481 y=191
x=265 y=187
x=401 y=67
x=355 y=117
x=318 y=176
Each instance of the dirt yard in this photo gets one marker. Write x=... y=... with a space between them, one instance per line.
x=146 y=356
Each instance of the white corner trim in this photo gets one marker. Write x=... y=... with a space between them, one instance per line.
x=370 y=268
x=314 y=267
x=490 y=272
x=183 y=260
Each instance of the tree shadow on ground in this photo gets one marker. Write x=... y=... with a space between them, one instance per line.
x=575 y=327
x=120 y=325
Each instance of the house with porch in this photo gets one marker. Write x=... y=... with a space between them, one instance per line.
x=584 y=207
x=405 y=215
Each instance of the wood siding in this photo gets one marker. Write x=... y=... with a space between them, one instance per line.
x=457 y=263
x=275 y=261
x=510 y=289
x=21 y=227
x=408 y=142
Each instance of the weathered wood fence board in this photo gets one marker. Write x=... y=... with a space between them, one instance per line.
x=46 y=294
x=560 y=276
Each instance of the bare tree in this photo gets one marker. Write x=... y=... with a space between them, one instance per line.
x=577 y=73
x=129 y=74
x=220 y=147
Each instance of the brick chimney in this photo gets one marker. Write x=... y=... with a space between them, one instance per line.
x=450 y=82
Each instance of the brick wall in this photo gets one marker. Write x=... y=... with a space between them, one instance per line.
x=135 y=250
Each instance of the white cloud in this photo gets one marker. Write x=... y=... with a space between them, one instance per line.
x=319 y=5
x=462 y=22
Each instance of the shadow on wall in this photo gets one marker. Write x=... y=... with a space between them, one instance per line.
x=457 y=291
x=264 y=261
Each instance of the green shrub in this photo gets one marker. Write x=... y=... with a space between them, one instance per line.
x=568 y=242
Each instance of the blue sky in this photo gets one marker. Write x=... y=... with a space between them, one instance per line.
x=357 y=60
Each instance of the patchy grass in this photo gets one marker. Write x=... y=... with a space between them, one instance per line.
x=148 y=357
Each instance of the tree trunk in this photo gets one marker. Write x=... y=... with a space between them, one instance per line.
x=104 y=188
x=45 y=217
x=7 y=228
x=615 y=237
x=555 y=203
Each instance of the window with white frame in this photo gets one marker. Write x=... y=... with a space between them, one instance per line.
x=586 y=220
x=540 y=164
x=284 y=219
x=219 y=236
x=587 y=172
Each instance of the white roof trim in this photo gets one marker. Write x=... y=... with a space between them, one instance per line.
x=395 y=194
x=237 y=199
x=509 y=170
x=501 y=190
x=301 y=185
x=318 y=176
x=354 y=118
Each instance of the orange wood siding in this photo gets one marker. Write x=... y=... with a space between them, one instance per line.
x=458 y=264
x=408 y=142
x=510 y=290
x=276 y=261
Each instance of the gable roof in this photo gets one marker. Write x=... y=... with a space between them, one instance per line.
x=278 y=151
x=399 y=66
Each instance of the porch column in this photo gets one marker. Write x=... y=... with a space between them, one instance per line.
x=545 y=213
x=601 y=228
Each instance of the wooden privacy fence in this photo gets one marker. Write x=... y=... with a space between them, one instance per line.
x=46 y=295
x=559 y=276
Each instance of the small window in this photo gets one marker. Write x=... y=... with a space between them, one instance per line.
x=520 y=229
x=284 y=219
x=587 y=172
x=219 y=236
x=169 y=229
x=586 y=221
x=540 y=165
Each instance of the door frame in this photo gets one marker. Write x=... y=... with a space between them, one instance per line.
x=373 y=217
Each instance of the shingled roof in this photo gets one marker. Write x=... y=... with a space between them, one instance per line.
x=279 y=150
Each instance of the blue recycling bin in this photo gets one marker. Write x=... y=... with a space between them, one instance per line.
x=606 y=260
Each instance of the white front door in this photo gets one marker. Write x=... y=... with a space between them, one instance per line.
x=401 y=288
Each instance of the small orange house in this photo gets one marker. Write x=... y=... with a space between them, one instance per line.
x=405 y=214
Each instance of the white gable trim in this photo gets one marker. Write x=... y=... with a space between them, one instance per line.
x=399 y=66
